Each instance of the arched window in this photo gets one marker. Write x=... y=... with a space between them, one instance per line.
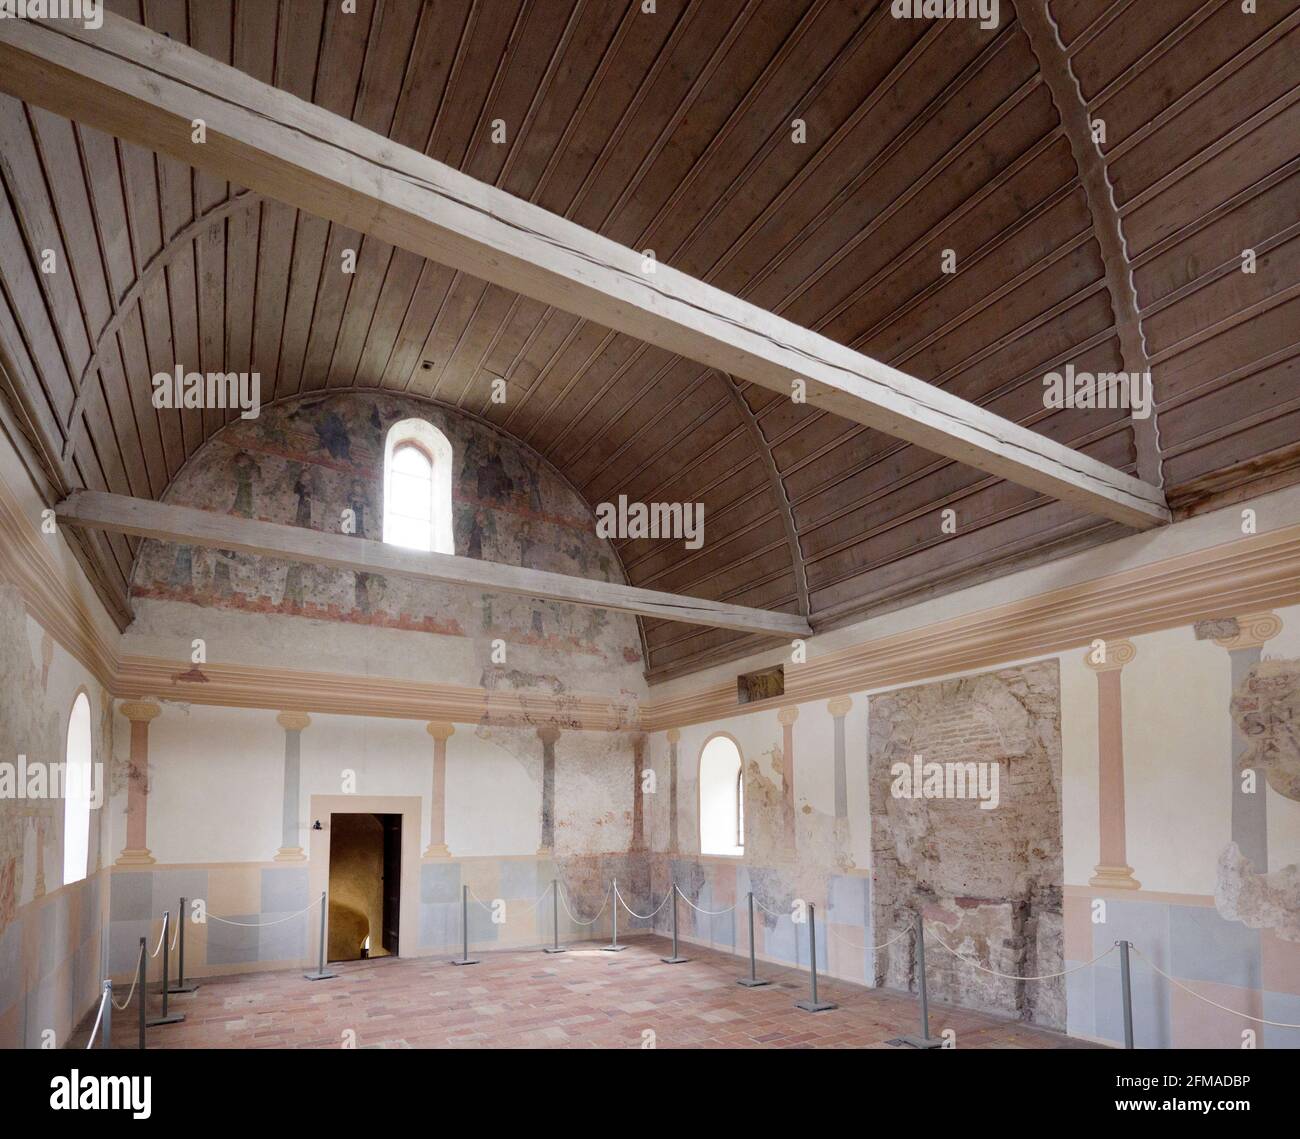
x=417 y=487
x=722 y=798
x=76 y=792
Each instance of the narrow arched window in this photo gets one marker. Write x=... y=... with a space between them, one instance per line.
x=77 y=786
x=417 y=487
x=722 y=791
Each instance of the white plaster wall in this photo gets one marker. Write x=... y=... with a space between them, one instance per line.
x=1284 y=813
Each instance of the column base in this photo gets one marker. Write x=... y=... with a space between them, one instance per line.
x=139 y=856
x=437 y=850
x=290 y=854
x=1114 y=878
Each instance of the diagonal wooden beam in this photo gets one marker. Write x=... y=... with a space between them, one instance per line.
x=125 y=79
x=144 y=518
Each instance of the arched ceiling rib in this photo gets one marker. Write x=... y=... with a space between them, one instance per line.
x=674 y=133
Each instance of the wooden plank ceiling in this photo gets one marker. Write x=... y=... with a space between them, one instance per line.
x=672 y=132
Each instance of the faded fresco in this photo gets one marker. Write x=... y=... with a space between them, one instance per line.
x=308 y=461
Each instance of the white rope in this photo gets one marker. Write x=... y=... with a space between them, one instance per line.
x=158 y=947
x=564 y=901
x=175 y=935
x=539 y=899
x=701 y=910
x=135 y=976
x=644 y=917
x=256 y=924
x=99 y=1016
x=1013 y=976
x=863 y=948
x=775 y=913
x=1194 y=993
x=470 y=890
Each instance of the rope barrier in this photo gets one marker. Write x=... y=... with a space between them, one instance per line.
x=1012 y=976
x=775 y=913
x=158 y=947
x=1194 y=993
x=135 y=977
x=644 y=917
x=863 y=948
x=702 y=910
x=564 y=901
x=257 y=924
x=176 y=933
x=99 y=1016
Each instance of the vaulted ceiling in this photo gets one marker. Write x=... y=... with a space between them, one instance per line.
x=672 y=132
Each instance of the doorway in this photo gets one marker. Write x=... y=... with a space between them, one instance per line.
x=365 y=875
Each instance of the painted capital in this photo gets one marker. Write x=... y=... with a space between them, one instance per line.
x=440 y=731
x=140 y=711
x=788 y=715
x=674 y=735
x=1255 y=629
x=839 y=706
x=1117 y=653
x=293 y=721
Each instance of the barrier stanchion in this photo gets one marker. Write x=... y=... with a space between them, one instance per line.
x=166 y=1018
x=1126 y=993
x=321 y=974
x=752 y=981
x=925 y=1040
x=613 y=946
x=813 y=1005
x=464 y=929
x=555 y=917
x=140 y=983
x=181 y=986
x=676 y=958
x=106 y=1041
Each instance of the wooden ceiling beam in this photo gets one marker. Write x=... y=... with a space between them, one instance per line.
x=126 y=80
x=144 y=518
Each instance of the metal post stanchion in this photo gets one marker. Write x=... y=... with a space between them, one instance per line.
x=613 y=946
x=555 y=917
x=925 y=1040
x=321 y=974
x=1126 y=993
x=464 y=929
x=140 y=987
x=166 y=1018
x=106 y=1024
x=676 y=958
x=181 y=986
x=752 y=981
x=813 y=1005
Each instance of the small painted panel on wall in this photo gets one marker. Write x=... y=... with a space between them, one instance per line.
x=762 y=684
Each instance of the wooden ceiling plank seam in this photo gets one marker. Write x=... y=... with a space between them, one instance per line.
x=362 y=306
x=28 y=399
x=467 y=31
x=1224 y=324
x=1219 y=381
x=1238 y=427
x=575 y=376
x=1054 y=64
x=1211 y=82
x=1102 y=21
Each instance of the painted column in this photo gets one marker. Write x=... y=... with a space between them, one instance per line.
x=839 y=708
x=1249 y=810
x=293 y=724
x=1112 y=872
x=787 y=717
x=441 y=733
x=674 y=738
x=638 y=799
x=549 y=735
x=136 y=852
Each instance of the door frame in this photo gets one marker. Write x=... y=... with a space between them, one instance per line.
x=318 y=864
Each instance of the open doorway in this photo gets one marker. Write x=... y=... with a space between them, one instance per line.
x=364 y=885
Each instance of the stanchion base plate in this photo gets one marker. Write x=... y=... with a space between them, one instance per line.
x=612 y=948
x=470 y=961
x=182 y=989
x=752 y=982
x=548 y=949
x=815 y=1006
x=319 y=976
x=917 y=1042
x=172 y=1018
x=674 y=960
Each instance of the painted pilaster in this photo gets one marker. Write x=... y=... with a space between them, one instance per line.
x=1112 y=871
x=839 y=708
x=787 y=717
x=437 y=847
x=136 y=852
x=1249 y=810
x=638 y=799
x=293 y=723
x=674 y=738
x=549 y=735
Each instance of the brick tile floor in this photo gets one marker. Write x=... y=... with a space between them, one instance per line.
x=580 y=999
